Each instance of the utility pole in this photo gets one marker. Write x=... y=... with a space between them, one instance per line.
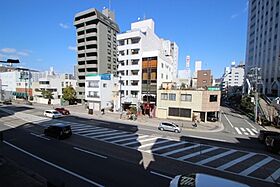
x=256 y=95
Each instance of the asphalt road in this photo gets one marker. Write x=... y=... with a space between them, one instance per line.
x=113 y=154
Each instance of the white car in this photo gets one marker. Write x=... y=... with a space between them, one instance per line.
x=52 y=114
x=201 y=180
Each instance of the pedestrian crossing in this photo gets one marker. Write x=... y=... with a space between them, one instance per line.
x=246 y=131
x=253 y=165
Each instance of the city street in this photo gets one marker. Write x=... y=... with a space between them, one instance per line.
x=113 y=154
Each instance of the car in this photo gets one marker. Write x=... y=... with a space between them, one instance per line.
x=52 y=114
x=167 y=126
x=201 y=180
x=212 y=118
x=272 y=143
x=263 y=134
x=59 y=131
x=7 y=102
x=63 y=111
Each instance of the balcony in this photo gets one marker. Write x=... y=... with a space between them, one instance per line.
x=93 y=96
x=82 y=21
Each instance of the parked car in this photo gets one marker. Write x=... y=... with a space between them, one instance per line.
x=7 y=102
x=52 y=114
x=59 y=131
x=63 y=111
x=201 y=180
x=272 y=143
x=167 y=126
x=212 y=118
x=263 y=134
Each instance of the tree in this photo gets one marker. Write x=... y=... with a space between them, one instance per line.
x=47 y=94
x=69 y=94
x=183 y=86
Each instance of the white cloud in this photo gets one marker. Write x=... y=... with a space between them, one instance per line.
x=21 y=53
x=233 y=16
x=72 y=48
x=8 y=50
x=64 y=26
x=246 y=8
x=39 y=59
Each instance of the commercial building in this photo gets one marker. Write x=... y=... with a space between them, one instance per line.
x=145 y=61
x=100 y=92
x=233 y=76
x=187 y=104
x=263 y=43
x=96 y=45
x=204 y=78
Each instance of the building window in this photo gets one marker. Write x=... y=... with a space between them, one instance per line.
x=93 y=84
x=179 y=112
x=104 y=85
x=172 y=97
x=213 y=98
x=186 y=97
x=164 y=96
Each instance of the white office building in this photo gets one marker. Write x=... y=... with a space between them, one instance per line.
x=233 y=76
x=145 y=60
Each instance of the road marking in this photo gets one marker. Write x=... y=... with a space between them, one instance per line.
x=54 y=165
x=197 y=153
x=92 y=131
x=256 y=166
x=139 y=137
x=207 y=160
x=250 y=124
x=235 y=161
x=250 y=131
x=138 y=141
x=228 y=121
x=167 y=146
x=201 y=137
x=274 y=177
x=100 y=131
x=39 y=136
x=154 y=143
x=110 y=134
x=255 y=131
x=89 y=152
x=79 y=128
x=161 y=175
x=120 y=136
x=244 y=131
x=238 y=131
x=179 y=150
x=84 y=131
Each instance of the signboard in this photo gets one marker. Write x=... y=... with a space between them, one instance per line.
x=213 y=89
x=105 y=76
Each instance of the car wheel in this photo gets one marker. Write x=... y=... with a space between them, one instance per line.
x=160 y=128
x=176 y=130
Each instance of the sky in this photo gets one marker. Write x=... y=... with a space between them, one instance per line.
x=40 y=33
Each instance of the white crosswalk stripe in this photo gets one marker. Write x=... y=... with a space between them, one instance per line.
x=100 y=131
x=138 y=141
x=167 y=146
x=238 y=131
x=133 y=138
x=235 y=161
x=110 y=134
x=255 y=131
x=256 y=166
x=197 y=153
x=180 y=150
x=153 y=143
x=94 y=130
x=251 y=133
x=246 y=131
x=212 y=158
x=274 y=176
x=120 y=136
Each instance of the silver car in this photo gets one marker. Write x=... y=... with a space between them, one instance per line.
x=167 y=126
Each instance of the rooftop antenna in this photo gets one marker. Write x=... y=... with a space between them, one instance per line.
x=109 y=5
x=144 y=17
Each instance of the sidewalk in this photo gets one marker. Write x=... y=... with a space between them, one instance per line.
x=80 y=110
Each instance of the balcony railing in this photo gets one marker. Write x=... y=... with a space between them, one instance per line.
x=93 y=96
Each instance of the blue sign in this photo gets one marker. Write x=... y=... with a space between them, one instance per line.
x=105 y=76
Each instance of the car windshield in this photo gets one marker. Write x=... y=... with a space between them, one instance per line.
x=55 y=112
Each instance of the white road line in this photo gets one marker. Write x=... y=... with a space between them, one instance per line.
x=167 y=146
x=207 y=160
x=250 y=124
x=139 y=141
x=54 y=165
x=120 y=136
x=110 y=134
x=89 y=152
x=202 y=137
x=161 y=175
x=274 y=176
x=235 y=161
x=238 y=131
x=136 y=138
x=255 y=131
x=84 y=131
x=39 y=136
x=95 y=130
x=154 y=143
x=103 y=132
x=179 y=150
x=244 y=131
x=99 y=131
x=250 y=131
x=228 y=121
x=256 y=166
x=197 y=153
x=79 y=128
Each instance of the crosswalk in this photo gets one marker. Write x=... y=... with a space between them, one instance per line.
x=253 y=165
x=246 y=131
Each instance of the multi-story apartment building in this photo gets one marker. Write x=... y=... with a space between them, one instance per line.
x=233 y=76
x=96 y=45
x=145 y=61
x=204 y=78
x=263 y=43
